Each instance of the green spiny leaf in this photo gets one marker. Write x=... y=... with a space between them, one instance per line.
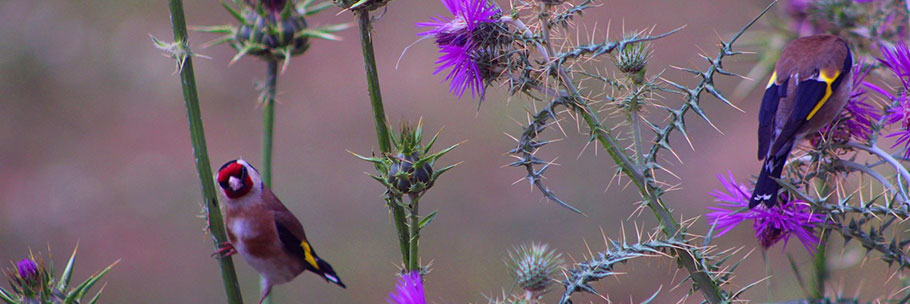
x=427 y=219
x=6 y=297
x=68 y=270
x=217 y=29
x=312 y=10
x=234 y=12
x=97 y=295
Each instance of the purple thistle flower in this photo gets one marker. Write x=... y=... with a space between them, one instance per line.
x=27 y=269
x=455 y=38
x=771 y=225
x=409 y=290
x=897 y=59
x=858 y=116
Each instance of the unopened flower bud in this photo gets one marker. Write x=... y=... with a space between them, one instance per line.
x=533 y=266
x=632 y=61
x=410 y=176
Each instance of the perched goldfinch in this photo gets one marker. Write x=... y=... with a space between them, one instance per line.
x=264 y=231
x=810 y=85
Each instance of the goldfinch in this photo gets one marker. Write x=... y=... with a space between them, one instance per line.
x=810 y=85
x=264 y=231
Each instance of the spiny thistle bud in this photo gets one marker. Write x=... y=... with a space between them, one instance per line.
x=271 y=32
x=403 y=175
x=32 y=282
x=409 y=169
x=533 y=266
x=632 y=61
x=273 y=6
x=271 y=29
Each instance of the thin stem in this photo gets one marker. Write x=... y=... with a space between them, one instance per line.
x=874 y=174
x=369 y=63
x=414 y=235
x=635 y=121
x=382 y=129
x=648 y=190
x=268 y=121
x=874 y=149
x=203 y=166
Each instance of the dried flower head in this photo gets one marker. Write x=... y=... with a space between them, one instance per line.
x=771 y=225
x=459 y=38
x=533 y=266
x=409 y=290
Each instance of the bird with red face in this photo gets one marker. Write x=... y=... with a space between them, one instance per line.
x=264 y=231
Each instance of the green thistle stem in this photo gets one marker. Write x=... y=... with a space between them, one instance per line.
x=414 y=236
x=650 y=192
x=268 y=121
x=203 y=166
x=382 y=129
x=268 y=131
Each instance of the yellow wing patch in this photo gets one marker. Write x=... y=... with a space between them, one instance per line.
x=773 y=79
x=828 y=79
x=308 y=254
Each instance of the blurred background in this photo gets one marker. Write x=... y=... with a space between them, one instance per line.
x=95 y=150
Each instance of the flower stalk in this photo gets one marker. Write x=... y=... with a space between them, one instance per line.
x=203 y=166
x=382 y=129
x=268 y=120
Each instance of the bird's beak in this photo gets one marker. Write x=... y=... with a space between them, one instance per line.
x=235 y=183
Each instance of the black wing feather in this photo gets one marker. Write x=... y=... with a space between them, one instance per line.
x=292 y=245
x=766 y=119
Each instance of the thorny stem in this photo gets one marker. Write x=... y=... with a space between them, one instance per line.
x=874 y=149
x=203 y=166
x=874 y=174
x=635 y=120
x=382 y=129
x=650 y=193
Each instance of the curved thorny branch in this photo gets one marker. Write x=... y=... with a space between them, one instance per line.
x=701 y=269
x=601 y=266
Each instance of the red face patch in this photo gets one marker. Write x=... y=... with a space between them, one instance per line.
x=238 y=171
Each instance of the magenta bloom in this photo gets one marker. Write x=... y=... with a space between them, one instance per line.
x=409 y=290
x=897 y=59
x=455 y=38
x=27 y=269
x=771 y=225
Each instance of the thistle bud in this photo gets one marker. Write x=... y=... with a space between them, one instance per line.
x=403 y=175
x=533 y=266
x=272 y=34
x=27 y=269
x=632 y=61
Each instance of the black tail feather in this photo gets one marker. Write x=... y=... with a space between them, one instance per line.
x=766 y=187
x=326 y=272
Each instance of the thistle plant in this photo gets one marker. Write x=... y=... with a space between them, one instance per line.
x=274 y=31
x=520 y=51
x=407 y=172
x=32 y=281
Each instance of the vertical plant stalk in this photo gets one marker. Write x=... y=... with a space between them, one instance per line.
x=268 y=121
x=414 y=236
x=382 y=129
x=268 y=131
x=203 y=166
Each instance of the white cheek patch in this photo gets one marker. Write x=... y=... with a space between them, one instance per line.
x=235 y=183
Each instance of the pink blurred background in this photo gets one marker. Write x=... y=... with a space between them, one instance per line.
x=96 y=150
